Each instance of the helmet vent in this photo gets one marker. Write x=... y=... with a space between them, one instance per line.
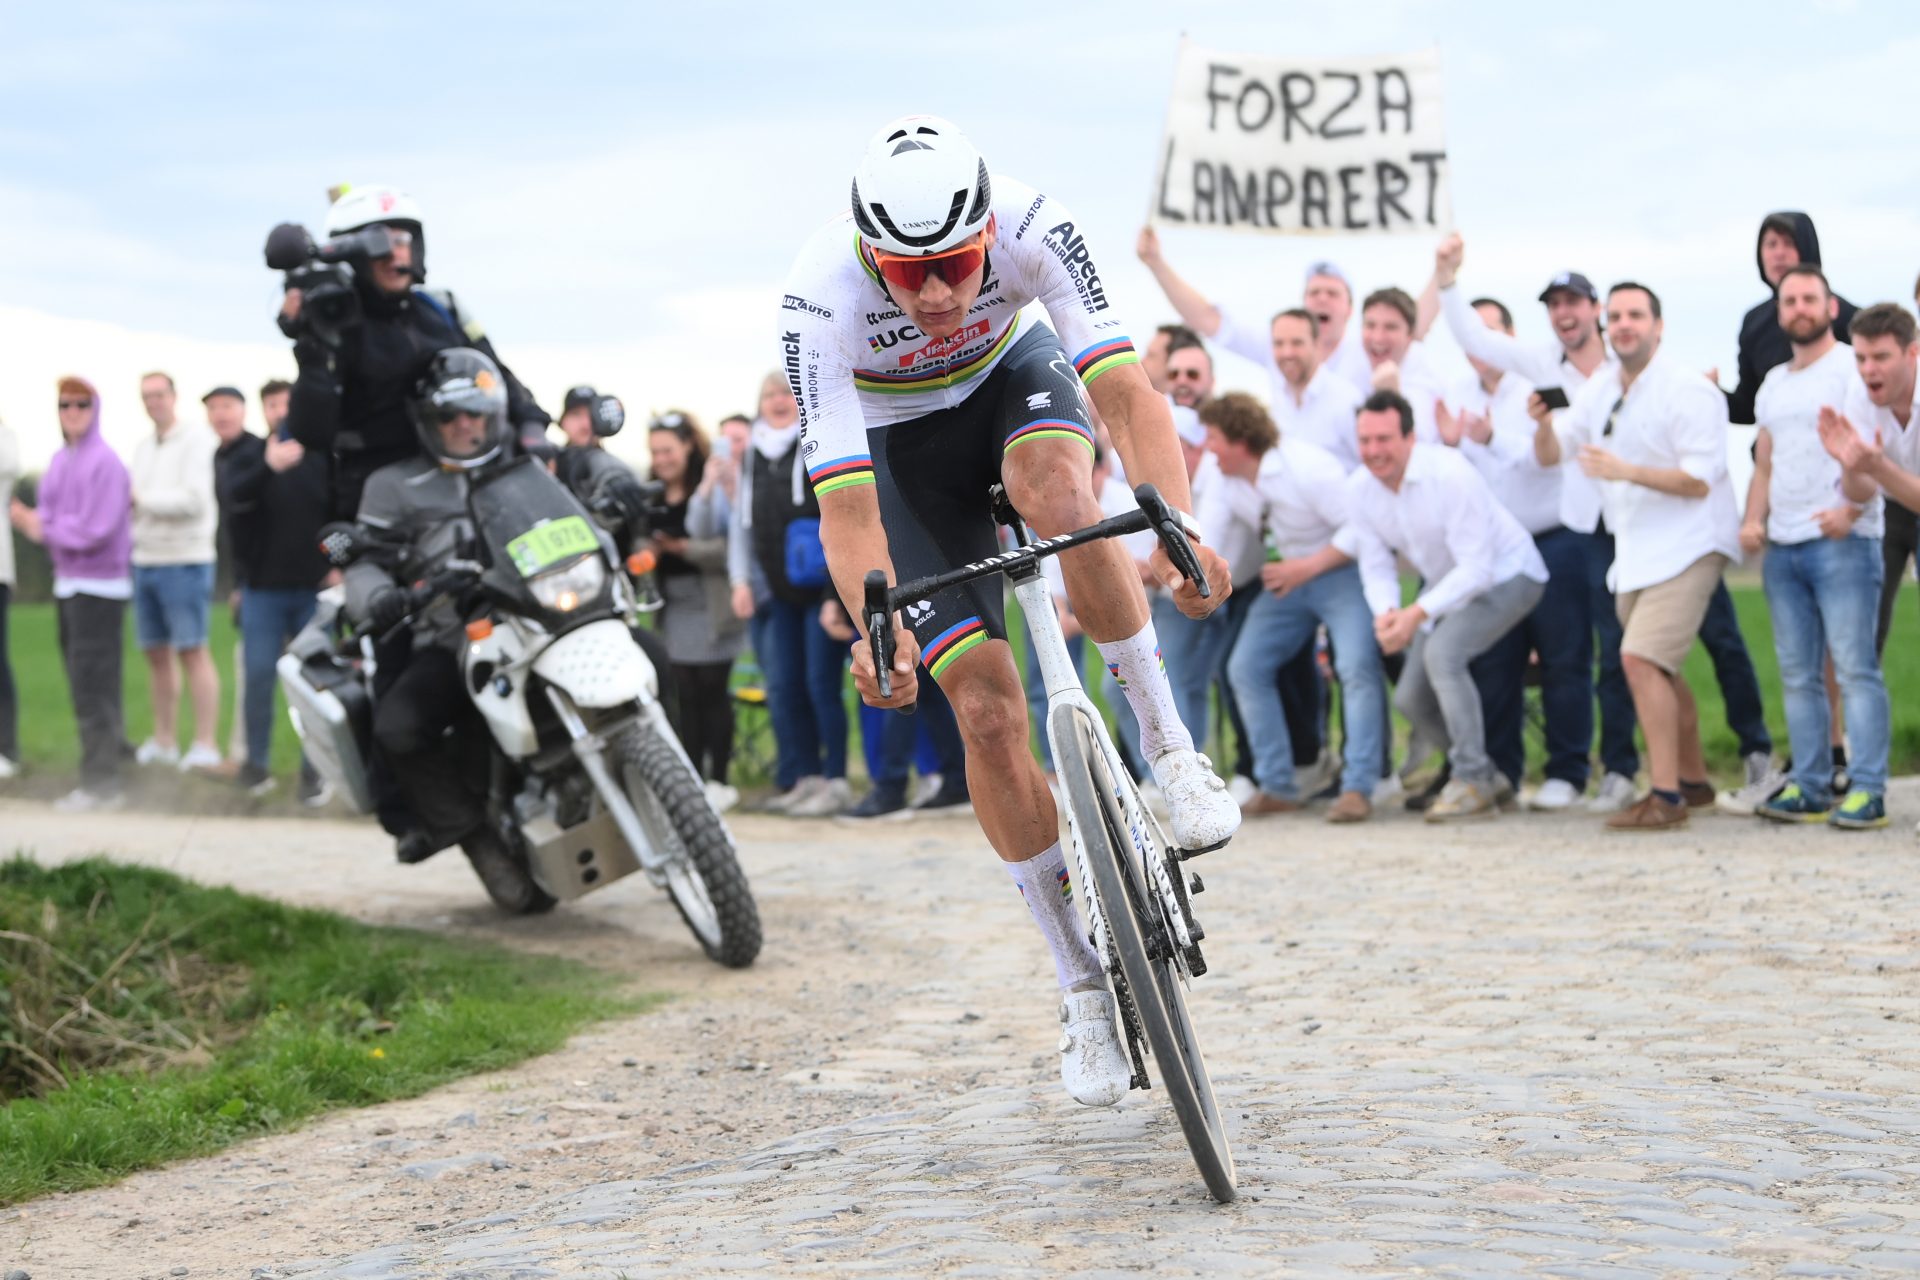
x=910 y=145
x=982 y=196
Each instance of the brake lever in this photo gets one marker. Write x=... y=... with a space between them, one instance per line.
x=1173 y=537
x=879 y=618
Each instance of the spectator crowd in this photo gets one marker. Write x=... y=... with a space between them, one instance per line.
x=1567 y=511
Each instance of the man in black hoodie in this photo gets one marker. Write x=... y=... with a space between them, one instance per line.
x=1787 y=239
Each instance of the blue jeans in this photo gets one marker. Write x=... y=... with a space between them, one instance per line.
x=1733 y=671
x=805 y=670
x=1277 y=629
x=1617 y=752
x=1191 y=649
x=269 y=618
x=1824 y=597
x=1037 y=692
x=1560 y=630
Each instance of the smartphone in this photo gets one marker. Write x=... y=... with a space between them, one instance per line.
x=1556 y=397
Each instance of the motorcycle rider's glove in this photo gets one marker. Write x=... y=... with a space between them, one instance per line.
x=387 y=608
x=628 y=497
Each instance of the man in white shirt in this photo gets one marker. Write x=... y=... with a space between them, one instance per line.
x=1875 y=434
x=1654 y=434
x=1820 y=525
x=1399 y=361
x=1311 y=402
x=1482 y=576
x=174 y=518
x=1295 y=500
x=1328 y=297
x=1490 y=426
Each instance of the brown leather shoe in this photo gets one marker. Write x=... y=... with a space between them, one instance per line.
x=1350 y=806
x=1650 y=813
x=1698 y=795
x=1263 y=803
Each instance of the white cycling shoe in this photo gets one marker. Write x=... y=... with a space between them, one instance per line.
x=1200 y=809
x=1093 y=1066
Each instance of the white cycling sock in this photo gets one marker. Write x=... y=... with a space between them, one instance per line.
x=1142 y=676
x=1048 y=889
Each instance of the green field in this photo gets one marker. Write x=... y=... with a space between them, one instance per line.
x=49 y=745
x=146 y=1018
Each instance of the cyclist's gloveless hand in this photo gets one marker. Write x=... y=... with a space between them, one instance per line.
x=906 y=657
x=1186 y=596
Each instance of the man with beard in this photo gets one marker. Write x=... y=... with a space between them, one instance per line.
x=1654 y=435
x=1820 y=525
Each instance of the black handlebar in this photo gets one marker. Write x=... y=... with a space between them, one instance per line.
x=1154 y=514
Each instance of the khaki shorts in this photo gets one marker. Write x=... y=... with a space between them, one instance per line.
x=1662 y=620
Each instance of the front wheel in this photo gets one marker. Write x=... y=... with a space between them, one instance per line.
x=703 y=875
x=1148 y=979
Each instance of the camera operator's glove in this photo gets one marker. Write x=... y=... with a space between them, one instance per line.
x=534 y=442
x=388 y=608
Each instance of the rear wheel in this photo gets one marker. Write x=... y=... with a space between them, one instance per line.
x=703 y=874
x=1145 y=949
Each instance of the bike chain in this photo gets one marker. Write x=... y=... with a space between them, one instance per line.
x=1136 y=1034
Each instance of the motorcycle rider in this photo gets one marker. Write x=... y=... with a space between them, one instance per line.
x=416 y=508
x=350 y=400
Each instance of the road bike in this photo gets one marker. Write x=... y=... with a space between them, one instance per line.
x=1137 y=897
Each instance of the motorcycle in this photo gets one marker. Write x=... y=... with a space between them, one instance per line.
x=586 y=781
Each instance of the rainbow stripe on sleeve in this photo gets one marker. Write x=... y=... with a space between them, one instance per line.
x=1050 y=429
x=841 y=473
x=1111 y=354
x=951 y=643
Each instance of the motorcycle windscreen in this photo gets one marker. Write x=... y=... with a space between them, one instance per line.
x=529 y=523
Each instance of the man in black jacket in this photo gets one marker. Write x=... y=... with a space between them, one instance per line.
x=273 y=500
x=1787 y=240
x=350 y=399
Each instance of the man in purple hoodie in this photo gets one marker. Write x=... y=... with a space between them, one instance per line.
x=85 y=520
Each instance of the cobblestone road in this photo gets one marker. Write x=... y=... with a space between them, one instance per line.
x=1514 y=1048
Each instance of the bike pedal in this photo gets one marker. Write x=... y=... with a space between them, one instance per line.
x=1194 y=885
x=1205 y=848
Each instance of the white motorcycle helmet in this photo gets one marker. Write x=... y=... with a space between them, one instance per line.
x=921 y=188
x=358 y=207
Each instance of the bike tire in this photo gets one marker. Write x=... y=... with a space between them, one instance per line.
x=1158 y=997
x=734 y=936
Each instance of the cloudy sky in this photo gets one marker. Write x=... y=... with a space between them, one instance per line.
x=617 y=191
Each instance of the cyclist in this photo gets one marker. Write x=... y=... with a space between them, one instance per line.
x=920 y=386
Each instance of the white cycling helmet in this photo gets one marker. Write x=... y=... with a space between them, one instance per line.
x=921 y=188
x=359 y=207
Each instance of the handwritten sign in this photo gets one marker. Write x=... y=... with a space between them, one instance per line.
x=1354 y=146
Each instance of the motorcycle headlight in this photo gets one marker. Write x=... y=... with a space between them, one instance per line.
x=565 y=589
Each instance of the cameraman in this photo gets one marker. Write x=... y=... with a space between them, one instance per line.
x=350 y=397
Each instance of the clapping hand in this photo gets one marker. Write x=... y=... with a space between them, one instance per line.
x=1843 y=443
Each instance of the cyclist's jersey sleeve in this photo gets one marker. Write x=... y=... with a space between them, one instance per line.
x=854 y=361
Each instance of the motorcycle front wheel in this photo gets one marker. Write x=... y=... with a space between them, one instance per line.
x=703 y=875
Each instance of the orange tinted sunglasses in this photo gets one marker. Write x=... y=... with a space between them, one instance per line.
x=952 y=266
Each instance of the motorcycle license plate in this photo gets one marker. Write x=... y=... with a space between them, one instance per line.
x=545 y=545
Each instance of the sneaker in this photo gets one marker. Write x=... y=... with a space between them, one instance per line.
x=1322 y=775
x=1203 y=816
x=1422 y=800
x=1389 y=791
x=1350 y=806
x=254 y=780
x=1842 y=781
x=201 y=756
x=81 y=800
x=316 y=792
x=1860 y=811
x=1463 y=799
x=829 y=797
x=151 y=752
x=1239 y=786
x=1506 y=797
x=1698 y=795
x=1093 y=1066
x=926 y=788
x=1265 y=802
x=886 y=800
x=949 y=798
x=1615 y=794
x=1650 y=813
x=1553 y=795
x=1762 y=784
x=8 y=769
x=799 y=791
x=721 y=796
x=1792 y=805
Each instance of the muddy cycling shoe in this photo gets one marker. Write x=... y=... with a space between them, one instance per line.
x=507 y=882
x=1093 y=1066
x=1199 y=808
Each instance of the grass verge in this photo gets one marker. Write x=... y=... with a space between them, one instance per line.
x=145 y=1018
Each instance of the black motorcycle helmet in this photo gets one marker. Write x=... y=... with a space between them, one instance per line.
x=460 y=385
